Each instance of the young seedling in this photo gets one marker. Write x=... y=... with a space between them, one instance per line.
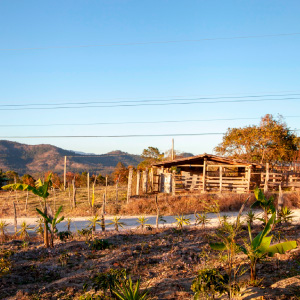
x=116 y=222
x=23 y=232
x=3 y=229
x=181 y=220
x=142 y=221
x=94 y=221
x=201 y=219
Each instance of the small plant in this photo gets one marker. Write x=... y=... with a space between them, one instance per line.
x=39 y=226
x=5 y=266
x=25 y=244
x=94 y=221
x=181 y=220
x=64 y=235
x=129 y=291
x=99 y=244
x=267 y=205
x=51 y=223
x=116 y=222
x=106 y=281
x=3 y=229
x=85 y=232
x=250 y=217
x=64 y=258
x=161 y=219
x=69 y=221
x=210 y=282
x=23 y=232
x=143 y=222
x=285 y=215
x=201 y=219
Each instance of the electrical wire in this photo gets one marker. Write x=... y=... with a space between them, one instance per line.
x=148 y=100
x=147 y=104
x=116 y=136
x=135 y=122
x=154 y=42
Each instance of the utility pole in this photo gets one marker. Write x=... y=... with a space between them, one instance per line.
x=172 y=152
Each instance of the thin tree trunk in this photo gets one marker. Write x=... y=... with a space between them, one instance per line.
x=46 y=236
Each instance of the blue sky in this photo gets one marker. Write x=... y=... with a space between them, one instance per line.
x=226 y=67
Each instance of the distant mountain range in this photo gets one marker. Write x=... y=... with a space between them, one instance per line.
x=38 y=159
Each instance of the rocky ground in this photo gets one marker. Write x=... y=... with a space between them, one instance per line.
x=167 y=260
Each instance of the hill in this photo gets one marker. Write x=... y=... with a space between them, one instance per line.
x=36 y=159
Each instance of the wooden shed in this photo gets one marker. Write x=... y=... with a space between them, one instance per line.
x=205 y=172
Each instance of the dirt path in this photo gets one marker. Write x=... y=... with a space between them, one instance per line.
x=131 y=221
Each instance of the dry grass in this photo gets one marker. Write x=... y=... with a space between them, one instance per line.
x=181 y=204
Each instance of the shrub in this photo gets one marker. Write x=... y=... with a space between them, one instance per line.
x=99 y=244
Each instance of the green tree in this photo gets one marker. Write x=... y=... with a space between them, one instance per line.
x=150 y=155
x=270 y=141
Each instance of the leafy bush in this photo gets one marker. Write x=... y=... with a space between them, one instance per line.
x=104 y=281
x=99 y=244
x=210 y=282
x=64 y=235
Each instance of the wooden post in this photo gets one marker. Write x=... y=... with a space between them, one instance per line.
x=157 y=211
x=266 y=179
x=129 y=184
x=88 y=188
x=103 y=213
x=74 y=193
x=15 y=218
x=65 y=173
x=204 y=174
x=138 y=178
x=249 y=178
x=106 y=178
x=280 y=198
x=220 y=178
x=151 y=179
x=172 y=153
x=145 y=181
x=173 y=183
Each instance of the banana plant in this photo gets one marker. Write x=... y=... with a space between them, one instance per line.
x=41 y=190
x=52 y=222
x=267 y=204
x=258 y=247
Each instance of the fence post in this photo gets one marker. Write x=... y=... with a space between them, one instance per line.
x=266 y=178
x=138 y=178
x=204 y=174
x=74 y=193
x=220 y=178
x=145 y=181
x=249 y=178
x=129 y=184
x=88 y=189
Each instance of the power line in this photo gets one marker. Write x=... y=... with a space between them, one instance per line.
x=148 y=100
x=116 y=136
x=137 y=122
x=154 y=42
x=147 y=104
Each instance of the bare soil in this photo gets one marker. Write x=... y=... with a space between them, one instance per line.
x=167 y=260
